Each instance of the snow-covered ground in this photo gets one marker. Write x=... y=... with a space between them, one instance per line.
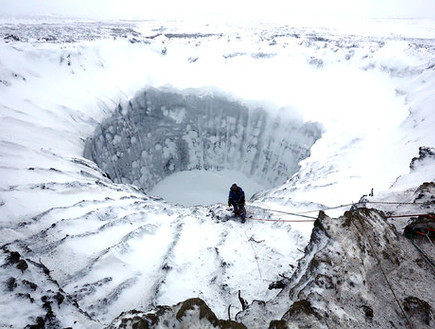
x=113 y=248
x=202 y=187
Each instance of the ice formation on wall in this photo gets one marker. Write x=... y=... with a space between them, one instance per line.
x=161 y=132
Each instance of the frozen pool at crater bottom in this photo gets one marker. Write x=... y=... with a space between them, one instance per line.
x=202 y=187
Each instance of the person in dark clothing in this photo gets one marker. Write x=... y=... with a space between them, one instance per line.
x=236 y=198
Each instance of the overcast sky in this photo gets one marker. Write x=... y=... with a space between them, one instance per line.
x=154 y=9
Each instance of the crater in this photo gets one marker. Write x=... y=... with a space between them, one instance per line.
x=162 y=132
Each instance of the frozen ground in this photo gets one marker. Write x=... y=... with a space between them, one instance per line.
x=202 y=187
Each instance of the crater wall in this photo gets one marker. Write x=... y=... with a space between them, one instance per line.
x=161 y=132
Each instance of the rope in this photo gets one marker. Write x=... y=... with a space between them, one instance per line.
x=283 y=220
x=348 y=205
x=427 y=236
x=385 y=202
x=414 y=215
x=382 y=270
x=360 y=202
x=288 y=213
x=330 y=208
x=426 y=257
x=255 y=256
x=312 y=219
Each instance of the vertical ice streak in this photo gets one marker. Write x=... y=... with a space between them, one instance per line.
x=186 y=132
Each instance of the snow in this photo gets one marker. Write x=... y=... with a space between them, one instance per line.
x=113 y=247
x=202 y=187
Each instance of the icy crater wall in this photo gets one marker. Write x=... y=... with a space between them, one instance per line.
x=161 y=132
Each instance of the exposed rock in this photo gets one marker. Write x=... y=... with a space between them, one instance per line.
x=279 y=284
x=425 y=193
x=11 y=37
x=40 y=324
x=192 y=313
x=357 y=272
x=11 y=284
x=421 y=227
x=59 y=298
x=27 y=296
x=22 y=265
x=14 y=257
x=31 y=285
x=278 y=324
x=303 y=311
x=45 y=304
x=419 y=310
x=368 y=311
x=424 y=153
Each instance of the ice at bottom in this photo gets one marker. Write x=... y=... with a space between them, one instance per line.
x=203 y=187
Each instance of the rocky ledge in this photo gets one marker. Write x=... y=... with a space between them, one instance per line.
x=358 y=271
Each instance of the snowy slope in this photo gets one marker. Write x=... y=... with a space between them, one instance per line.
x=109 y=247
